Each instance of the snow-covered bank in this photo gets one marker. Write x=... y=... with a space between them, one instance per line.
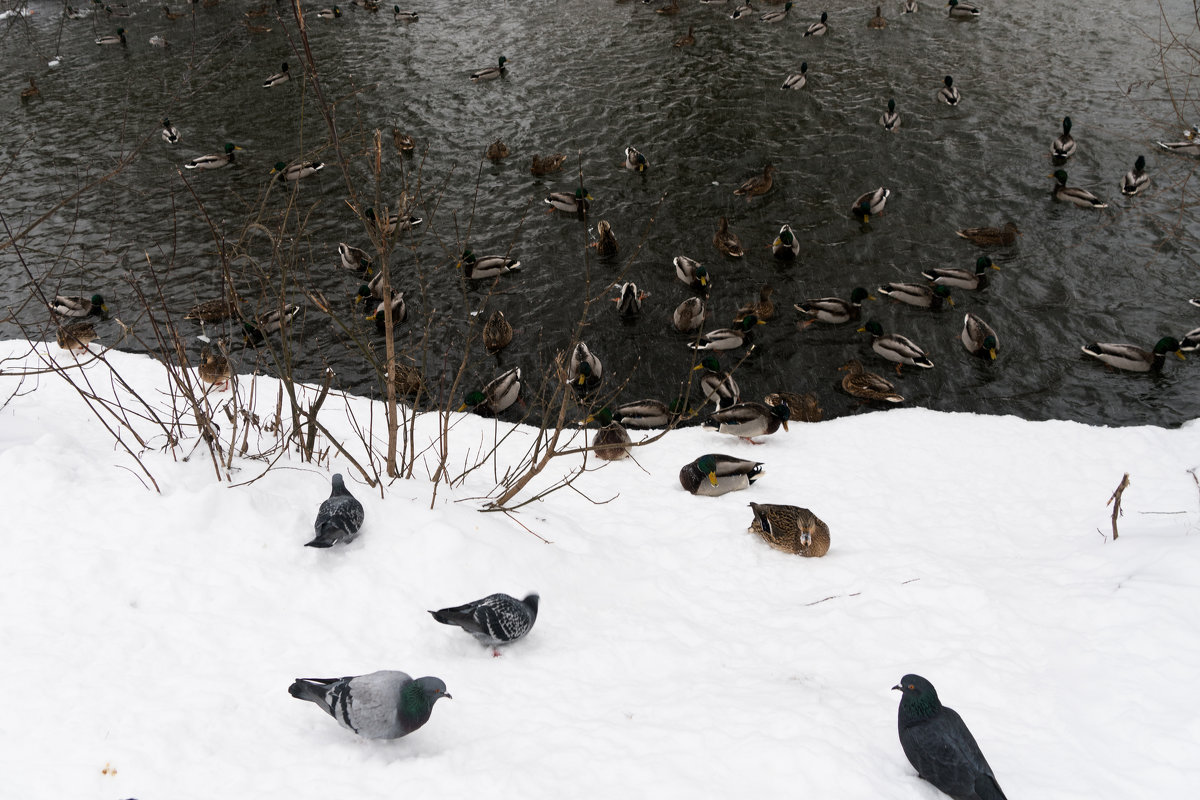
x=675 y=655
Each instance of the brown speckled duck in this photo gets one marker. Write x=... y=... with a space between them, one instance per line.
x=791 y=529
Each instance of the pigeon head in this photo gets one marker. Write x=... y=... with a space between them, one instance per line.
x=919 y=700
x=417 y=699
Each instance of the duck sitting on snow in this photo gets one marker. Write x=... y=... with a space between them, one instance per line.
x=715 y=474
x=791 y=529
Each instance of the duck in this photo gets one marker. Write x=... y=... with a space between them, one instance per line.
x=960 y=10
x=1073 y=194
x=371 y=289
x=877 y=22
x=635 y=161
x=693 y=274
x=76 y=335
x=544 y=165
x=758 y=185
x=670 y=9
x=159 y=41
x=569 y=203
x=747 y=420
x=215 y=370
x=833 y=310
x=31 y=91
x=727 y=241
x=1190 y=341
x=728 y=338
x=170 y=134
x=500 y=393
x=272 y=322
x=870 y=203
x=890 y=120
x=329 y=13
x=409 y=379
x=897 y=348
x=585 y=371
x=80 y=13
x=797 y=80
x=857 y=382
x=497 y=333
x=790 y=529
x=908 y=7
x=296 y=171
x=482 y=268
x=961 y=278
x=118 y=10
x=281 y=77
x=119 y=38
x=355 y=259
x=1132 y=358
x=949 y=94
x=403 y=16
x=75 y=306
x=918 y=294
x=689 y=315
x=742 y=11
x=606 y=241
x=1136 y=179
x=629 y=303
x=496 y=151
x=215 y=161
x=978 y=337
x=776 y=16
x=819 y=28
x=399 y=311
x=404 y=142
x=715 y=474
x=763 y=307
x=491 y=73
x=988 y=237
x=214 y=310
x=802 y=407
x=688 y=39
x=1190 y=146
x=390 y=223
x=611 y=442
x=1063 y=147
x=786 y=246
x=717 y=385
x=643 y=414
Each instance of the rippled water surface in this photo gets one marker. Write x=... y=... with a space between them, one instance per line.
x=586 y=78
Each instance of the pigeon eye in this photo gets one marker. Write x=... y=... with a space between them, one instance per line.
x=911 y=686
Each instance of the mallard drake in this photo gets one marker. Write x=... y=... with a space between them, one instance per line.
x=986 y=237
x=918 y=294
x=373 y=289
x=728 y=338
x=611 y=442
x=496 y=396
x=170 y=134
x=643 y=414
x=727 y=241
x=484 y=267
x=786 y=246
x=404 y=143
x=1073 y=194
x=31 y=91
x=629 y=303
x=1136 y=179
x=689 y=315
x=758 y=185
x=908 y=7
x=215 y=161
x=497 y=333
x=895 y=347
x=585 y=371
x=742 y=11
x=877 y=22
x=763 y=307
x=747 y=420
x=797 y=80
x=949 y=94
x=1132 y=358
x=329 y=13
x=570 y=203
x=1063 y=147
x=403 y=16
x=802 y=407
x=547 y=164
x=214 y=310
x=296 y=171
x=890 y=120
x=864 y=385
x=961 y=10
x=355 y=259
x=688 y=39
x=390 y=223
x=717 y=385
x=961 y=278
x=215 y=370
x=606 y=240
x=634 y=160
x=791 y=529
x=670 y=9
x=276 y=320
x=1190 y=341
x=491 y=73
x=776 y=16
x=819 y=28
x=75 y=306
x=168 y=13
x=399 y=311
x=496 y=151
x=1190 y=146
x=76 y=335
x=693 y=274
x=833 y=310
x=715 y=474
x=870 y=203
x=119 y=38
x=118 y=10
x=281 y=77
x=979 y=338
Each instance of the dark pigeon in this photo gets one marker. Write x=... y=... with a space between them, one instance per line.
x=938 y=744
x=495 y=620
x=383 y=705
x=339 y=517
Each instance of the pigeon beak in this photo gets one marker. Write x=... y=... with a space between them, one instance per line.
x=897 y=688
x=447 y=695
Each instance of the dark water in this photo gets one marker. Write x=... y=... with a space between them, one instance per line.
x=587 y=78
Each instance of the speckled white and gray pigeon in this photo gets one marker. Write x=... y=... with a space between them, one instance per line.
x=339 y=517
x=495 y=620
x=383 y=705
x=938 y=743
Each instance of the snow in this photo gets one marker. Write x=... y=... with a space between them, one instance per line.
x=675 y=654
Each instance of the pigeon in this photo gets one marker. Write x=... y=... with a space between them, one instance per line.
x=938 y=744
x=339 y=517
x=383 y=705
x=495 y=620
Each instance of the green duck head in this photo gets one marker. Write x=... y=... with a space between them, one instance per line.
x=708 y=465
x=604 y=416
x=942 y=292
x=983 y=262
x=472 y=399
x=859 y=294
x=1168 y=344
x=709 y=363
x=749 y=321
x=949 y=80
x=501 y=62
x=990 y=344
x=98 y=303
x=230 y=147
x=1060 y=175
x=872 y=327
x=892 y=106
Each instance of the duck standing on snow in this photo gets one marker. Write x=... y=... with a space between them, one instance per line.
x=494 y=620
x=215 y=370
x=1073 y=194
x=747 y=420
x=387 y=704
x=611 y=442
x=791 y=529
x=715 y=474
x=339 y=517
x=500 y=393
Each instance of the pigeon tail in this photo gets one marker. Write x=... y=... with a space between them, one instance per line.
x=986 y=788
x=329 y=535
x=462 y=616
x=314 y=690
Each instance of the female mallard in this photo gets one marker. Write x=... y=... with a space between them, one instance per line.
x=570 y=203
x=918 y=294
x=409 y=379
x=786 y=246
x=496 y=151
x=118 y=39
x=949 y=94
x=214 y=310
x=611 y=442
x=716 y=384
x=763 y=307
x=169 y=14
x=279 y=78
x=355 y=259
x=390 y=223
x=670 y=9
x=791 y=529
x=296 y=171
x=497 y=333
x=1132 y=358
x=961 y=10
x=833 y=310
x=877 y=22
x=870 y=203
x=1063 y=146
x=634 y=160
x=986 y=237
x=802 y=407
x=544 y=165
x=403 y=142
x=819 y=28
x=491 y=73
x=891 y=118
x=1190 y=146
x=727 y=241
x=1073 y=194
x=693 y=274
x=797 y=80
x=496 y=396
x=31 y=91
x=329 y=13
x=728 y=338
x=979 y=338
x=403 y=16
x=1136 y=179
x=776 y=16
x=215 y=161
x=895 y=347
x=961 y=278
x=257 y=331
x=215 y=370
x=715 y=474
x=76 y=335
x=170 y=134
x=758 y=185
x=255 y=13
x=747 y=420
x=74 y=306
x=867 y=385
x=606 y=241
x=629 y=302
x=585 y=371
x=688 y=39
x=484 y=267
x=689 y=315
x=399 y=311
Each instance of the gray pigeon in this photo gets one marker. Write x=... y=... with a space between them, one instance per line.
x=383 y=705
x=495 y=620
x=339 y=517
x=938 y=744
